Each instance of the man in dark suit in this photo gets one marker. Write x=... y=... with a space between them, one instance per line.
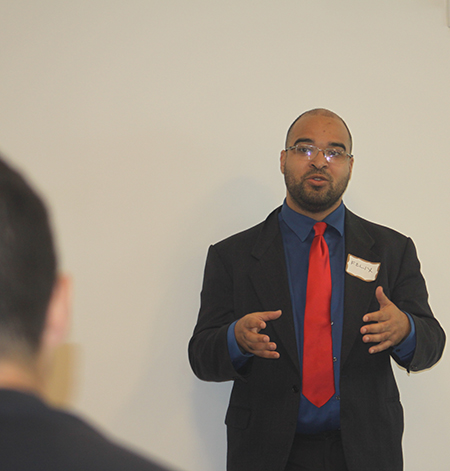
x=252 y=322
x=34 y=307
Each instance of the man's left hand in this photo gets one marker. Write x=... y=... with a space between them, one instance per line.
x=391 y=325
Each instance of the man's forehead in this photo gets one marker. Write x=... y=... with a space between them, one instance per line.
x=313 y=126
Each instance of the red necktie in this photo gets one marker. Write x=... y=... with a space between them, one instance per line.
x=318 y=375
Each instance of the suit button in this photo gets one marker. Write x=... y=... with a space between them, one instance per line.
x=295 y=388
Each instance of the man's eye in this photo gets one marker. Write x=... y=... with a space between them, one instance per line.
x=304 y=150
x=333 y=152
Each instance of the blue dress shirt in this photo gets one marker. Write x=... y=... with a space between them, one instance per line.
x=298 y=233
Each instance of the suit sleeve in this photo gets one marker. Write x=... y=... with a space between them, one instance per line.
x=208 y=349
x=410 y=295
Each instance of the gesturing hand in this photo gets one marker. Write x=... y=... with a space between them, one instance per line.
x=248 y=337
x=391 y=327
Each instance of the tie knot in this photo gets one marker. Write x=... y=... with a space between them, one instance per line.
x=320 y=227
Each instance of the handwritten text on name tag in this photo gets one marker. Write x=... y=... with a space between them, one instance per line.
x=367 y=271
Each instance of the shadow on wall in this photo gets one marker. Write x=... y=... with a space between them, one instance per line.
x=60 y=385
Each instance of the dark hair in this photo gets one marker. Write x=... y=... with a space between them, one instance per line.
x=27 y=264
x=325 y=112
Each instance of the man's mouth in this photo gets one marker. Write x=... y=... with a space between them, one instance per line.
x=317 y=178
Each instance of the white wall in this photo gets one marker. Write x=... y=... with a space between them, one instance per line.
x=154 y=129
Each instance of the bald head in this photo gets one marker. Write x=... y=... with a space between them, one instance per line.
x=321 y=112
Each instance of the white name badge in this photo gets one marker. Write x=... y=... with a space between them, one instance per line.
x=367 y=271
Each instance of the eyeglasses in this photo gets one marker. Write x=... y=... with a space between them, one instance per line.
x=309 y=152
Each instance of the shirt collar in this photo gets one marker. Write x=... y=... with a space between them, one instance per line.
x=302 y=225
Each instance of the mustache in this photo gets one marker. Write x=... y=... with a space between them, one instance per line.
x=317 y=172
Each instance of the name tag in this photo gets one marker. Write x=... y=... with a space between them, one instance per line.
x=366 y=271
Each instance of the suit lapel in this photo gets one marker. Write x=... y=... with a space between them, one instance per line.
x=358 y=293
x=271 y=284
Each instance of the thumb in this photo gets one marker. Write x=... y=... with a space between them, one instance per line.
x=382 y=298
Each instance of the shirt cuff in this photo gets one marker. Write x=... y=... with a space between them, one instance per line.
x=238 y=359
x=405 y=350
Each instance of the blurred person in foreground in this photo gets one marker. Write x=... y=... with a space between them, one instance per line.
x=34 y=313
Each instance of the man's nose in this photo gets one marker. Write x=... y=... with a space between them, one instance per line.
x=319 y=160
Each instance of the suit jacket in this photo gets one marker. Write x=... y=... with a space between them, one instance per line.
x=247 y=273
x=36 y=437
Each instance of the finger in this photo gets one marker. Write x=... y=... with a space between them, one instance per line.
x=380 y=347
x=375 y=328
x=381 y=314
x=378 y=338
x=259 y=345
x=267 y=354
x=376 y=316
x=256 y=320
x=252 y=323
x=255 y=347
x=269 y=315
x=251 y=337
x=382 y=298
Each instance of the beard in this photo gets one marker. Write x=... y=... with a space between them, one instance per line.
x=311 y=199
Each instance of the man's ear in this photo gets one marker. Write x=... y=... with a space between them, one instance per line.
x=282 y=160
x=58 y=314
x=352 y=160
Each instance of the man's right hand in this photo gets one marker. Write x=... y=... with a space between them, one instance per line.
x=250 y=340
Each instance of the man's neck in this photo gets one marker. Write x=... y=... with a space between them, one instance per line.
x=317 y=216
x=20 y=376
